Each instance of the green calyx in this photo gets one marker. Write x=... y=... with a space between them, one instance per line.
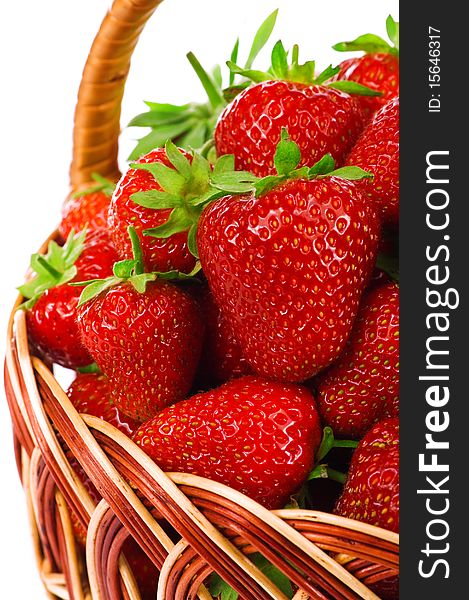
x=52 y=269
x=283 y=70
x=374 y=43
x=186 y=188
x=191 y=125
x=328 y=442
x=288 y=157
x=190 y=185
x=131 y=271
x=102 y=185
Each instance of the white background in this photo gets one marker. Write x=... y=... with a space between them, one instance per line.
x=43 y=47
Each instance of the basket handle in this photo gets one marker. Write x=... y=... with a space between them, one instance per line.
x=97 y=114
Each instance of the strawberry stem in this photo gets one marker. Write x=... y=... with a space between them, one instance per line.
x=336 y=475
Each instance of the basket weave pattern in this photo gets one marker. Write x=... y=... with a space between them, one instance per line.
x=325 y=556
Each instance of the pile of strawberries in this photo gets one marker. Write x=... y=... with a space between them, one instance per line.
x=223 y=306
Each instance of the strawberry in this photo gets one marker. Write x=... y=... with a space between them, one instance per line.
x=52 y=303
x=87 y=208
x=371 y=492
x=319 y=118
x=222 y=358
x=287 y=264
x=90 y=394
x=255 y=435
x=377 y=151
x=362 y=387
x=378 y=68
x=145 y=335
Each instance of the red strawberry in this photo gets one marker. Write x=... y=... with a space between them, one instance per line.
x=362 y=387
x=377 y=151
x=222 y=358
x=318 y=118
x=371 y=492
x=160 y=253
x=287 y=266
x=144 y=333
x=87 y=208
x=52 y=302
x=257 y=436
x=378 y=69
x=90 y=394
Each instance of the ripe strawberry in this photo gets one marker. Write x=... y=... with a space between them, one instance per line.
x=87 y=208
x=371 y=492
x=90 y=394
x=362 y=387
x=52 y=302
x=144 y=333
x=318 y=118
x=287 y=266
x=378 y=68
x=222 y=358
x=255 y=435
x=377 y=151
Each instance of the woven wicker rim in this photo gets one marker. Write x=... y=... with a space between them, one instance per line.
x=324 y=555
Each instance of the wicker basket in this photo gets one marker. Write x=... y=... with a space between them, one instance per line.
x=325 y=556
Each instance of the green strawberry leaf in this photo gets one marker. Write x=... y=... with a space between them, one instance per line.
x=279 y=61
x=234 y=182
x=167 y=108
x=192 y=241
x=213 y=92
x=95 y=288
x=328 y=72
x=124 y=268
x=156 y=200
x=350 y=173
x=287 y=155
x=140 y=281
x=260 y=39
x=224 y=164
x=102 y=185
x=170 y=180
x=352 y=87
x=55 y=268
x=253 y=75
x=324 y=166
x=366 y=43
x=233 y=58
x=158 y=137
x=178 y=221
x=178 y=160
x=392 y=29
